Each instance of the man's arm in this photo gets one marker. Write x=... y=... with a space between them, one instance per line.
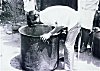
x=56 y=30
x=46 y=36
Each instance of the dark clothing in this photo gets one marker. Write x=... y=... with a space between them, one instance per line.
x=84 y=37
x=46 y=3
x=96 y=22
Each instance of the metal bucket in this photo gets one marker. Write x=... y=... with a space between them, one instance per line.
x=37 y=55
x=96 y=45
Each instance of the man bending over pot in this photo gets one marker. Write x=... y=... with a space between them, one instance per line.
x=61 y=17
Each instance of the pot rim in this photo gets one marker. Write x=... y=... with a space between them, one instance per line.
x=22 y=33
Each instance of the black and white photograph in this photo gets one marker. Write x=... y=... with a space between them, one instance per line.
x=49 y=35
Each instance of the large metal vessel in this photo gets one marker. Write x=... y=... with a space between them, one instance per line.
x=37 y=55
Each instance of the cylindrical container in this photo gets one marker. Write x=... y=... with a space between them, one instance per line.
x=37 y=55
x=96 y=45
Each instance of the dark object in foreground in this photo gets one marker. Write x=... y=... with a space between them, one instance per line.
x=96 y=45
x=37 y=55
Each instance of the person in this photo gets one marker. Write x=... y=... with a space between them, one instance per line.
x=61 y=17
x=30 y=8
x=29 y=5
x=87 y=9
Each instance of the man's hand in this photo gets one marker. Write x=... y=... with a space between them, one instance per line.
x=46 y=36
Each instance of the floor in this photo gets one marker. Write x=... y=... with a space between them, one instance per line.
x=10 y=48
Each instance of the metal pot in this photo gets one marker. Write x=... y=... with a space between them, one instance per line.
x=96 y=45
x=37 y=55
